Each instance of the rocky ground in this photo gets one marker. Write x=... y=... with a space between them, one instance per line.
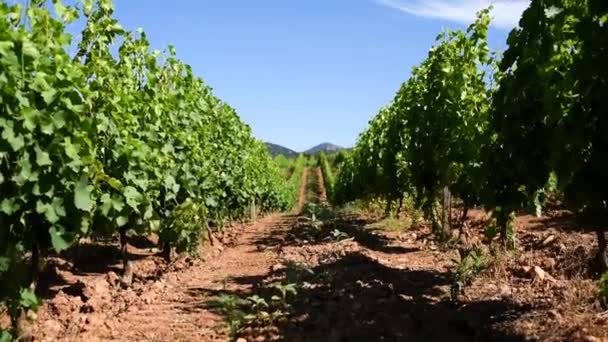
x=335 y=278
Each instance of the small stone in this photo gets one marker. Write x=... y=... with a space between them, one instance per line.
x=94 y=320
x=277 y=267
x=505 y=290
x=240 y=339
x=554 y=314
x=112 y=278
x=98 y=288
x=548 y=240
x=539 y=273
x=52 y=327
x=67 y=277
x=550 y=263
x=590 y=338
x=148 y=297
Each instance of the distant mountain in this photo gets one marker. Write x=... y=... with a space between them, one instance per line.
x=275 y=150
x=328 y=148
x=324 y=147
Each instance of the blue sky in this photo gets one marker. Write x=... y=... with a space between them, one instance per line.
x=305 y=72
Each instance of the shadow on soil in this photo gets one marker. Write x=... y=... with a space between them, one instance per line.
x=368 y=238
x=98 y=258
x=356 y=298
x=90 y=258
x=303 y=231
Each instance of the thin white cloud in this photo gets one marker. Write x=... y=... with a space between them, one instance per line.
x=506 y=13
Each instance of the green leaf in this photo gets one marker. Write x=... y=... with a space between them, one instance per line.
x=88 y=7
x=82 y=195
x=133 y=197
x=42 y=157
x=29 y=49
x=106 y=5
x=211 y=202
x=16 y=141
x=552 y=11
x=25 y=170
x=59 y=239
x=49 y=95
x=5 y=264
x=8 y=206
x=71 y=150
x=106 y=204
x=121 y=220
x=5 y=336
x=6 y=47
x=52 y=211
x=60 y=9
x=29 y=118
x=117 y=202
x=114 y=183
x=57 y=205
x=148 y=213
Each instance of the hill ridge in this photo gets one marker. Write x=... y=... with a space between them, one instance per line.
x=327 y=147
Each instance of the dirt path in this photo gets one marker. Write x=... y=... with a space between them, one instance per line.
x=179 y=311
x=321 y=191
x=348 y=281
x=171 y=307
x=302 y=195
x=165 y=303
x=315 y=186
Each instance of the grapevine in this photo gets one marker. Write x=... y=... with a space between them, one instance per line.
x=101 y=142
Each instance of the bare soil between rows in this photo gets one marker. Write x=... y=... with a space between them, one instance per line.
x=369 y=285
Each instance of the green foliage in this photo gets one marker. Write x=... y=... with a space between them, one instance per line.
x=370 y=170
x=603 y=288
x=284 y=165
x=338 y=158
x=560 y=125
x=231 y=307
x=471 y=263
x=284 y=290
x=182 y=228
x=295 y=180
x=338 y=235
x=430 y=136
x=47 y=151
x=255 y=310
x=115 y=137
x=445 y=106
x=317 y=211
x=502 y=134
x=5 y=336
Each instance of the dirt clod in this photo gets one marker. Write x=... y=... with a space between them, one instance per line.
x=548 y=240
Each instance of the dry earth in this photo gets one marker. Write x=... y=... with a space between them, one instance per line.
x=363 y=285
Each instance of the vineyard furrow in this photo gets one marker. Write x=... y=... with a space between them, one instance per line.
x=135 y=205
